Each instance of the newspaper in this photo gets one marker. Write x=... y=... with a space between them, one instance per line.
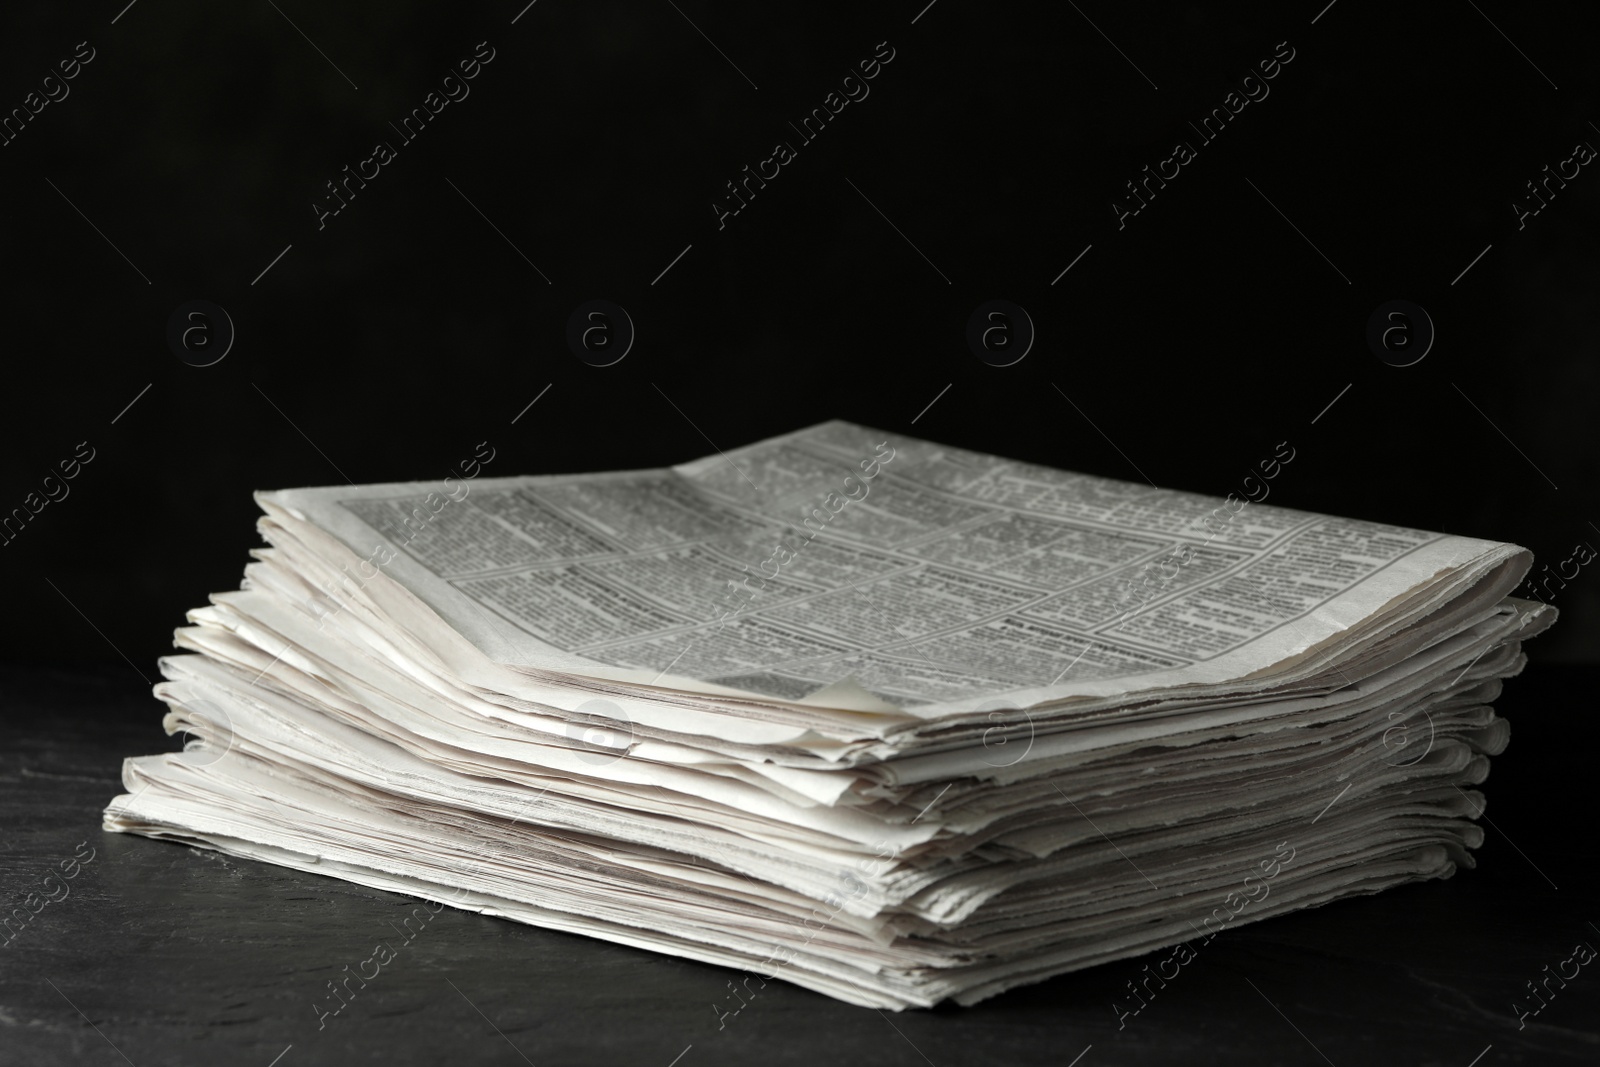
x=890 y=720
x=881 y=571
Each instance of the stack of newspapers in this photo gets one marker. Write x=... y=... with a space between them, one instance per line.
x=893 y=721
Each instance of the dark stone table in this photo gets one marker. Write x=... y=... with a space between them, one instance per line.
x=162 y=954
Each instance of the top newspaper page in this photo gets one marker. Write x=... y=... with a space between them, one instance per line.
x=850 y=567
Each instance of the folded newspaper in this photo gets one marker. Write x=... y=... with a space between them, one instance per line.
x=886 y=719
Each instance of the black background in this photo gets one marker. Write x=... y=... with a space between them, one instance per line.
x=386 y=345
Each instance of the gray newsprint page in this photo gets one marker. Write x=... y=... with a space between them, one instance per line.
x=861 y=569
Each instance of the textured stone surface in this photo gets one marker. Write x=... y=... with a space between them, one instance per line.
x=165 y=955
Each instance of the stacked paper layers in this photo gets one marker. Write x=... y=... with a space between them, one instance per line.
x=883 y=850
